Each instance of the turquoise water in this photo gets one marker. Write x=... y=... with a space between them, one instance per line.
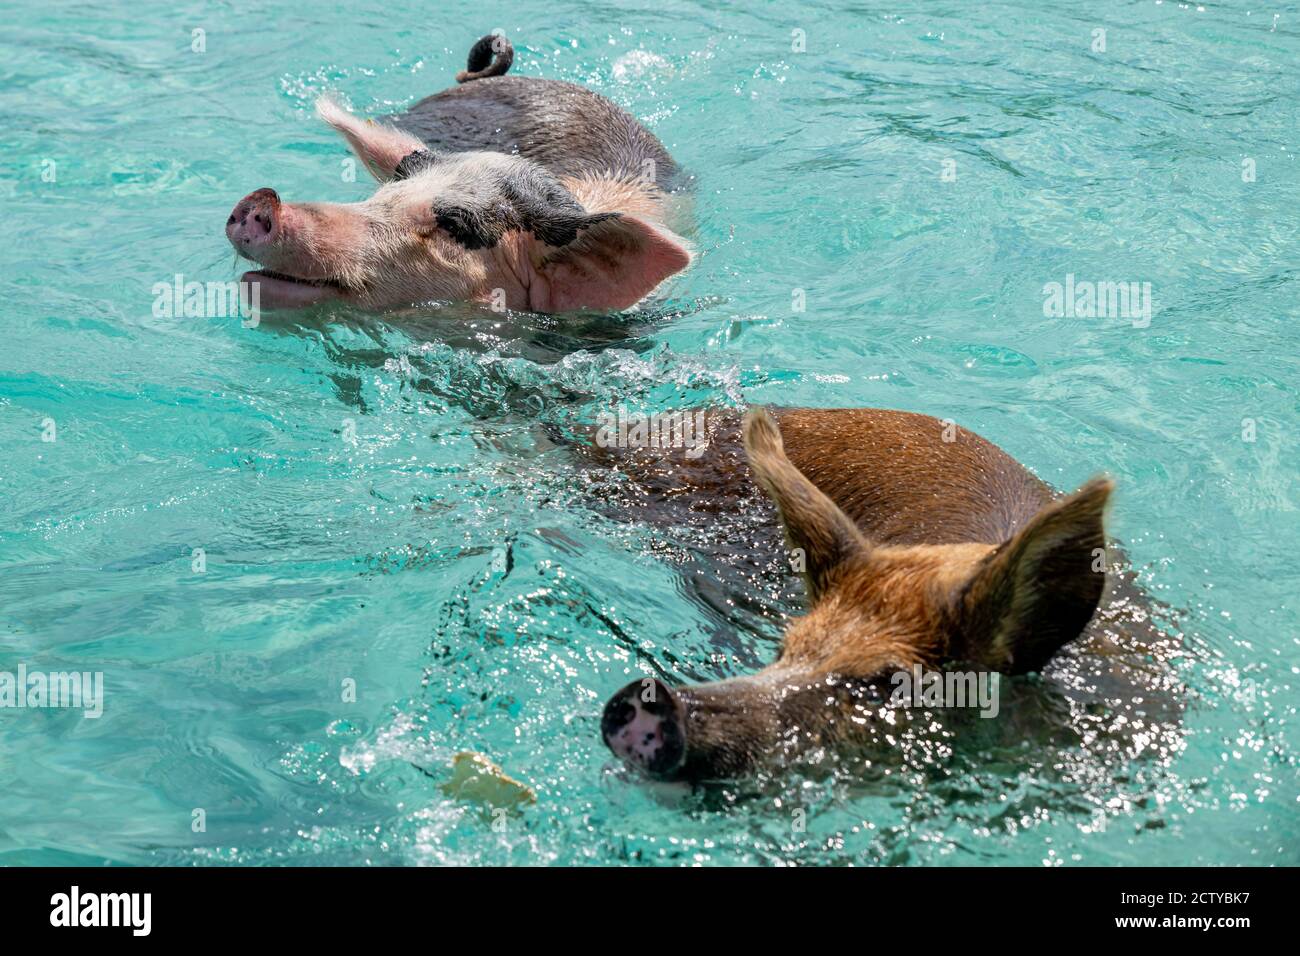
x=377 y=502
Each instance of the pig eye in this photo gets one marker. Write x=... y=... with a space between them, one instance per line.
x=471 y=228
x=482 y=227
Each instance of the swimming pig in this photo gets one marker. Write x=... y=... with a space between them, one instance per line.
x=522 y=193
x=920 y=545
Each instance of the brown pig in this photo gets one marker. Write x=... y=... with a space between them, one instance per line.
x=915 y=550
x=521 y=193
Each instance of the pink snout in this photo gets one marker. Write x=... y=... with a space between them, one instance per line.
x=255 y=222
x=644 y=724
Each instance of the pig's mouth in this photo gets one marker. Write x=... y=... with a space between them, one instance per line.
x=276 y=290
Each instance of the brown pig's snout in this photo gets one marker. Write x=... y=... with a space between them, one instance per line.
x=255 y=221
x=645 y=725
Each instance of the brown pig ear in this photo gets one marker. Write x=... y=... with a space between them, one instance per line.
x=1039 y=589
x=612 y=261
x=380 y=147
x=820 y=535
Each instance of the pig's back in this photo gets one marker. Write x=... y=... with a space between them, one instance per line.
x=906 y=478
x=568 y=129
x=903 y=478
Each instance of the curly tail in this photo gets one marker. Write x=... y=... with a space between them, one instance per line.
x=490 y=56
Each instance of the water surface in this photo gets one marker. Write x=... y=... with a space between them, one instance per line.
x=377 y=499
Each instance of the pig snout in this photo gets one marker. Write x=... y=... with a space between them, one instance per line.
x=255 y=222
x=644 y=724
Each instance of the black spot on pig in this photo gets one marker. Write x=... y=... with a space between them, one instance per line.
x=528 y=200
x=669 y=754
x=472 y=227
x=415 y=162
x=616 y=716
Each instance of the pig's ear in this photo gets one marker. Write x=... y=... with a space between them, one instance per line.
x=822 y=538
x=380 y=147
x=1038 y=590
x=613 y=262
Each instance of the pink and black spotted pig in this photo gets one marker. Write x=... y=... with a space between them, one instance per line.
x=536 y=194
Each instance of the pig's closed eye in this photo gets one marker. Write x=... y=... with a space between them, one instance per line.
x=472 y=228
x=482 y=228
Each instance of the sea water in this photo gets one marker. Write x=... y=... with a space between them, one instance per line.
x=315 y=557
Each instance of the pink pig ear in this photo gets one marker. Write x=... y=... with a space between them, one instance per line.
x=612 y=264
x=379 y=146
